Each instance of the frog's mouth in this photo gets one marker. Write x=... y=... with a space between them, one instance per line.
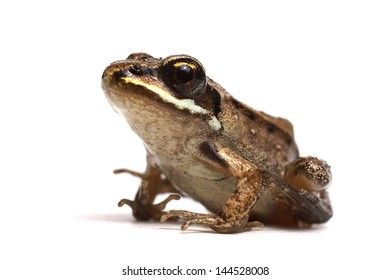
x=155 y=87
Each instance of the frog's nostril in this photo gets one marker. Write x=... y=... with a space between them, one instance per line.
x=136 y=70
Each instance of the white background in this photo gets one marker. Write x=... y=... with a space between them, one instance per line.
x=324 y=65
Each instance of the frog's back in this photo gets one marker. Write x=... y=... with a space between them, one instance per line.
x=262 y=139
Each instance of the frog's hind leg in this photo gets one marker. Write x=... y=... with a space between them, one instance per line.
x=234 y=215
x=151 y=185
x=309 y=178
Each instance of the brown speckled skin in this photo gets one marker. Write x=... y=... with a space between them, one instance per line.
x=249 y=168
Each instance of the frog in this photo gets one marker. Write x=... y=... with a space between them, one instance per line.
x=242 y=164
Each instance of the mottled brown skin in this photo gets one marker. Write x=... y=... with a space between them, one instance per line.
x=242 y=164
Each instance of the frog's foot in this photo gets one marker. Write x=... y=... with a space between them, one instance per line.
x=143 y=208
x=309 y=173
x=214 y=221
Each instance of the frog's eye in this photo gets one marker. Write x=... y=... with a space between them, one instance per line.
x=184 y=75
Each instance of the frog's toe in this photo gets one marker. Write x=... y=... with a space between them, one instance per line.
x=254 y=224
x=134 y=173
x=190 y=217
x=139 y=211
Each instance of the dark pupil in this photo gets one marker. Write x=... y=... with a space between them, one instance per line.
x=184 y=73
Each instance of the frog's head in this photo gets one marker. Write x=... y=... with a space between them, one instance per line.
x=163 y=96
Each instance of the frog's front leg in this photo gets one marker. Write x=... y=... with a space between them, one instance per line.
x=234 y=215
x=151 y=185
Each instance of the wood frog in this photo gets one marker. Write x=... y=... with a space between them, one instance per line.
x=243 y=165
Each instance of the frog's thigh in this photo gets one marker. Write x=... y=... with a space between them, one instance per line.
x=309 y=173
x=233 y=217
